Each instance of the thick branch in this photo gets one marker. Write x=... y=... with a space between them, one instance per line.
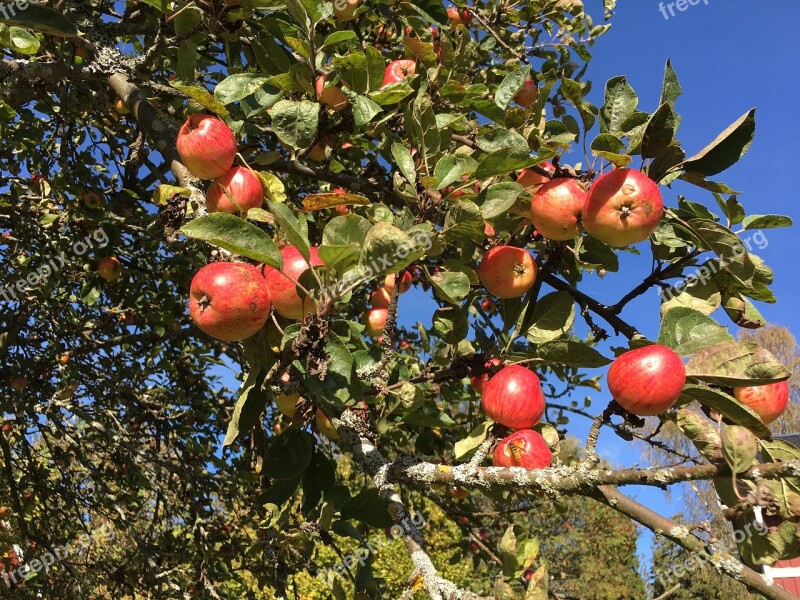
x=721 y=561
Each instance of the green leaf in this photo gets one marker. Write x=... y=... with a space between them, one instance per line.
x=571 y=354
x=736 y=364
x=766 y=221
x=249 y=407
x=39 y=18
x=500 y=162
x=553 y=316
x=364 y=110
x=659 y=132
x=739 y=447
x=726 y=405
x=393 y=93
x=238 y=86
x=701 y=432
x=510 y=85
x=686 y=331
x=574 y=92
x=610 y=147
x=22 y=41
x=451 y=286
x=671 y=89
x=290 y=227
x=235 y=235
x=203 y=97
x=498 y=198
x=620 y=103
x=289 y=454
x=463 y=222
x=368 y=508
x=466 y=446
x=424 y=126
x=405 y=162
x=727 y=148
x=387 y=249
x=450 y=168
x=338 y=37
x=295 y=123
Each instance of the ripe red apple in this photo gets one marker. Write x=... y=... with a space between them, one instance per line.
x=283 y=284
x=380 y=298
x=375 y=321
x=239 y=189
x=207 y=146
x=109 y=268
x=405 y=282
x=527 y=94
x=768 y=401
x=339 y=190
x=489 y=306
x=513 y=397
x=648 y=380
x=4 y=512
x=624 y=207
x=525 y=449
x=477 y=381
x=488 y=229
x=507 y=272
x=229 y=301
x=325 y=427
x=458 y=493
x=19 y=383
x=92 y=201
x=458 y=16
x=121 y=108
x=556 y=209
x=8 y=428
x=531 y=180
x=333 y=97
x=63 y=360
x=344 y=9
x=397 y=70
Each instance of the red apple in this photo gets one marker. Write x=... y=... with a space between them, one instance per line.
x=237 y=190
x=458 y=16
x=513 y=397
x=380 y=298
x=405 y=282
x=507 y=272
x=8 y=428
x=325 y=427
x=320 y=151
x=489 y=306
x=525 y=449
x=283 y=284
x=624 y=207
x=344 y=9
x=531 y=180
x=397 y=70
x=527 y=94
x=375 y=321
x=339 y=191
x=767 y=401
x=648 y=380
x=488 y=229
x=207 y=146
x=109 y=268
x=556 y=209
x=333 y=97
x=229 y=301
x=92 y=201
x=458 y=493
x=4 y=512
x=19 y=383
x=477 y=381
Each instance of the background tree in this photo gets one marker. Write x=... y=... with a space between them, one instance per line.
x=403 y=143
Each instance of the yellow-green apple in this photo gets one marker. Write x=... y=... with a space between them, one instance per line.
x=513 y=397
x=229 y=301
x=525 y=448
x=647 y=381
x=287 y=403
x=92 y=201
x=109 y=268
x=375 y=321
x=507 y=271
x=767 y=401
x=206 y=146
x=380 y=298
x=333 y=97
x=398 y=70
x=556 y=209
x=238 y=190
x=283 y=284
x=324 y=426
x=527 y=94
x=624 y=207
x=344 y=9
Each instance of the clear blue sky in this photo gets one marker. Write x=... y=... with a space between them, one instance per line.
x=730 y=55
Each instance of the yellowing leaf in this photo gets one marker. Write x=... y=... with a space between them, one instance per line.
x=330 y=200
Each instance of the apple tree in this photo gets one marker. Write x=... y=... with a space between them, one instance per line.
x=194 y=188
